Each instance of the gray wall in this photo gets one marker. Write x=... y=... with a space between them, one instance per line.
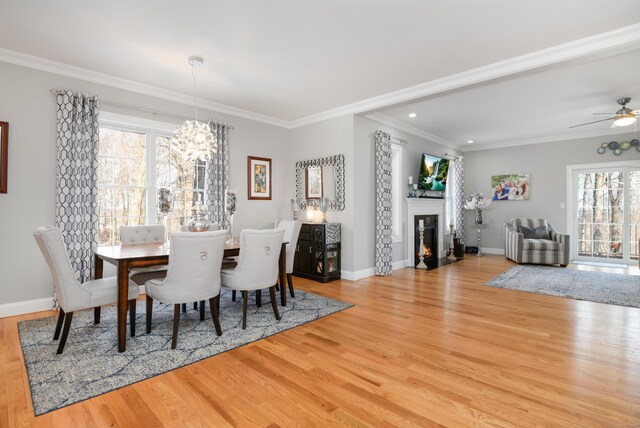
x=31 y=112
x=547 y=166
x=328 y=138
x=365 y=194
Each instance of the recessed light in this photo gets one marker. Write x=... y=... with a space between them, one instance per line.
x=412 y=115
x=470 y=141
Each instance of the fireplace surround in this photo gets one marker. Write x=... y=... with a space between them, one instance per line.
x=424 y=207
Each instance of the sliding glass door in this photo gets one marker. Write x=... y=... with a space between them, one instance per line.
x=608 y=214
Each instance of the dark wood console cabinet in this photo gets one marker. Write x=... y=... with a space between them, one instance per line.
x=318 y=252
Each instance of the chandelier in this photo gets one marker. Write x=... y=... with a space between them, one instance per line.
x=194 y=139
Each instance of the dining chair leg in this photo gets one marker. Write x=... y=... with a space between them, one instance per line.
x=290 y=282
x=233 y=295
x=259 y=298
x=184 y=307
x=149 y=313
x=274 y=303
x=176 y=322
x=56 y=335
x=245 y=300
x=195 y=306
x=215 y=315
x=201 y=310
x=96 y=315
x=65 y=332
x=132 y=317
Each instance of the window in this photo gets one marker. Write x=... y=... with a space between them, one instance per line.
x=397 y=191
x=135 y=158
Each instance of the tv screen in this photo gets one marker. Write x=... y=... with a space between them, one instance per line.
x=433 y=173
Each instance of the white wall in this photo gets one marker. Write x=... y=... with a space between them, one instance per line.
x=31 y=112
x=365 y=192
x=547 y=166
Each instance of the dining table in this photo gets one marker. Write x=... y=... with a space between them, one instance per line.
x=126 y=257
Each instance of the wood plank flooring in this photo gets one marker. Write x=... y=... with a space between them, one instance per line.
x=419 y=348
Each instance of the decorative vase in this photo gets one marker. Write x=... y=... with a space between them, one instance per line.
x=478 y=216
x=198 y=223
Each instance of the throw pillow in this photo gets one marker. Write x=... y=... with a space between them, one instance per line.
x=536 y=233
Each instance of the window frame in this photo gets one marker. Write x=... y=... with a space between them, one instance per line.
x=152 y=130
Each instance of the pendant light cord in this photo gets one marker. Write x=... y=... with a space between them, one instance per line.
x=195 y=90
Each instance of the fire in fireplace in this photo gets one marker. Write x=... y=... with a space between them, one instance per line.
x=430 y=238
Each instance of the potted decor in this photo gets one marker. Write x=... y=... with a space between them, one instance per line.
x=477 y=202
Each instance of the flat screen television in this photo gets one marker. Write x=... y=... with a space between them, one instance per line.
x=433 y=173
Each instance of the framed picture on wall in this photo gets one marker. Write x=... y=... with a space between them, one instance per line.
x=4 y=150
x=259 y=178
x=314 y=182
x=510 y=187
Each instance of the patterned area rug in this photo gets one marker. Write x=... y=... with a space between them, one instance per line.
x=91 y=365
x=598 y=287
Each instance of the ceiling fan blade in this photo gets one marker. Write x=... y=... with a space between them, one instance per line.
x=636 y=112
x=595 y=121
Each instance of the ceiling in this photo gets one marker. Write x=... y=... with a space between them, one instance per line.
x=290 y=62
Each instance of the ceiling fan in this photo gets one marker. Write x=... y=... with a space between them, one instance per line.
x=623 y=117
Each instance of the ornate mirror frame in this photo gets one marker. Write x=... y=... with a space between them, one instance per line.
x=337 y=162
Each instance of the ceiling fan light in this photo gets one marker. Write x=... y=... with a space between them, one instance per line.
x=625 y=120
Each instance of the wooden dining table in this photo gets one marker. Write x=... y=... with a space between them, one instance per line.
x=129 y=256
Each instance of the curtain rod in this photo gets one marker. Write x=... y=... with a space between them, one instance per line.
x=399 y=139
x=132 y=107
x=450 y=156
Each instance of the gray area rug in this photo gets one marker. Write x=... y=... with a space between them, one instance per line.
x=91 y=365
x=598 y=287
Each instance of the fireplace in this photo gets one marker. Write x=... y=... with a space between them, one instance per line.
x=430 y=238
x=419 y=208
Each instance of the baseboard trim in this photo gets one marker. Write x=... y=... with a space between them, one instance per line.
x=366 y=273
x=26 y=307
x=498 y=251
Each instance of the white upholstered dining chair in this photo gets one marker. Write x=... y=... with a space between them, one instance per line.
x=144 y=234
x=257 y=267
x=291 y=231
x=71 y=294
x=193 y=276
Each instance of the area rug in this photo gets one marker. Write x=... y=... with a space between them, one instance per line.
x=91 y=365
x=598 y=287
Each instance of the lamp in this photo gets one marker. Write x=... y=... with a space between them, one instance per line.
x=194 y=140
x=625 y=119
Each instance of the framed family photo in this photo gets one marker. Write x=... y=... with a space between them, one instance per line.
x=4 y=146
x=510 y=187
x=314 y=182
x=259 y=178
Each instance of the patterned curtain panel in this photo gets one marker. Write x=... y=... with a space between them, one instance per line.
x=217 y=176
x=76 y=178
x=458 y=201
x=383 y=203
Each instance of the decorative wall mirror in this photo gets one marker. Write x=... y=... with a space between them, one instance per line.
x=330 y=171
x=4 y=150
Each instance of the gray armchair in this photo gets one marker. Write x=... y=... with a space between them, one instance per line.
x=534 y=240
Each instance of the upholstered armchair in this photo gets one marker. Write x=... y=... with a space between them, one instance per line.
x=534 y=240
x=193 y=275
x=257 y=267
x=71 y=294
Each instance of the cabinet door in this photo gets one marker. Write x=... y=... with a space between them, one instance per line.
x=317 y=243
x=304 y=256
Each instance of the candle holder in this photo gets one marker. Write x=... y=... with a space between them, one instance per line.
x=421 y=264
x=451 y=257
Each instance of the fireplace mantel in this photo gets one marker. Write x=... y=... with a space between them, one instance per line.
x=424 y=206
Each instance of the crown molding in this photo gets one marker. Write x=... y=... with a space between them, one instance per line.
x=386 y=120
x=42 y=64
x=542 y=140
x=616 y=39
x=621 y=38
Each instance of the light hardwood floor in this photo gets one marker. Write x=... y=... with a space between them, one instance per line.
x=419 y=348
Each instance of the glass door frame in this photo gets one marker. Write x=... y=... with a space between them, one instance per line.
x=572 y=206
